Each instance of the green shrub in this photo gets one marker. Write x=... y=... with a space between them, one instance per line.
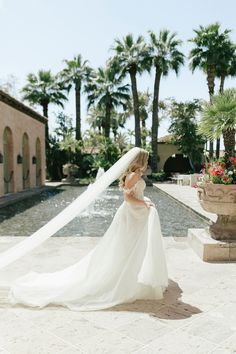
x=159 y=176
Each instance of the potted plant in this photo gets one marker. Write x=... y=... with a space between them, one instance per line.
x=217 y=189
x=217 y=194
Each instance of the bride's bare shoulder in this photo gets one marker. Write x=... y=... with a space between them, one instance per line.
x=131 y=179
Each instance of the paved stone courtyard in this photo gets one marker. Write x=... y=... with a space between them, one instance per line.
x=197 y=314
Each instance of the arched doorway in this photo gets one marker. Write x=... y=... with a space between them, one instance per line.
x=177 y=163
x=26 y=161
x=38 y=163
x=8 y=172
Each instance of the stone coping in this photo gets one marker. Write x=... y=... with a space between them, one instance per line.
x=12 y=198
x=187 y=196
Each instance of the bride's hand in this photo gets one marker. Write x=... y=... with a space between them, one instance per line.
x=148 y=204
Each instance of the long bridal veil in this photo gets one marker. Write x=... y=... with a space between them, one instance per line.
x=70 y=212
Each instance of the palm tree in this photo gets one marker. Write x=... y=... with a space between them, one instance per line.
x=43 y=89
x=210 y=46
x=107 y=92
x=165 y=57
x=219 y=117
x=75 y=73
x=226 y=67
x=131 y=57
x=122 y=141
x=97 y=118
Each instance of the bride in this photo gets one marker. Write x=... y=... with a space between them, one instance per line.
x=127 y=264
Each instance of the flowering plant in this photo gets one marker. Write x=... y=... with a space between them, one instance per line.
x=221 y=171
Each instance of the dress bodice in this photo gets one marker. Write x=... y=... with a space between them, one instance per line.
x=137 y=189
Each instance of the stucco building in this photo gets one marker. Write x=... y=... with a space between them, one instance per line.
x=22 y=146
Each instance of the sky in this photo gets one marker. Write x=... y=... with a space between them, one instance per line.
x=40 y=34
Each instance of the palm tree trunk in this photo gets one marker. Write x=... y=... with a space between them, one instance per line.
x=211 y=86
x=155 y=121
x=211 y=80
x=143 y=137
x=45 y=113
x=229 y=142
x=107 y=121
x=221 y=90
x=114 y=130
x=78 y=110
x=136 y=107
x=222 y=82
x=217 y=148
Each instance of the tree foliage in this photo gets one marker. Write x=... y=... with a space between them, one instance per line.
x=184 y=129
x=220 y=118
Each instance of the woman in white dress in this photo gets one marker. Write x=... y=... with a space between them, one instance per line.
x=127 y=264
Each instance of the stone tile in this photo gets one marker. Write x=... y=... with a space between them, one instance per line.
x=178 y=314
x=113 y=318
x=110 y=343
x=177 y=342
x=226 y=347
x=4 y=351
x=140 y=306
x=221 y=350
x=214 y=327
x=71 y=350
x=215 y=296
x=77 y=330
x=49 y=317
x=19 y=336
x=144 y=330
x=146 y=350
x=36 y=342
x=197 y=300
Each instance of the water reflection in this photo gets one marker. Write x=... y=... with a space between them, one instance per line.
x=25 y=217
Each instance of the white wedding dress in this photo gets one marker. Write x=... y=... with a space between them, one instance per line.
x=127 y=264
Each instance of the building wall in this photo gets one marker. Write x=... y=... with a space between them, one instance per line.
x=19 y=124
x=165 y=150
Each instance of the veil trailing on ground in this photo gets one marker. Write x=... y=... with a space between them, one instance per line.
x=70 y=212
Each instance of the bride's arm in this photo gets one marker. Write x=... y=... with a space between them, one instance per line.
x=130 y=182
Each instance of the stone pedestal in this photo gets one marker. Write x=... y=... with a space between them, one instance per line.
x=220 y=199
x=209 y=249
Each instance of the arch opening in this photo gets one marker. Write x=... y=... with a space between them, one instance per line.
x=25 y=162
x=38 y=163
x=8 y=169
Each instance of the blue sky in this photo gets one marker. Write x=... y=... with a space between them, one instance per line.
x=39 y=34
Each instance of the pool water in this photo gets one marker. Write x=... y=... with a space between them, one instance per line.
x=25 y=217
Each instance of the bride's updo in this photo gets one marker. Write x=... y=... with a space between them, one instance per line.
x=137 y=165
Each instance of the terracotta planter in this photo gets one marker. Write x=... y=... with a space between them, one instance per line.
x=220 y=199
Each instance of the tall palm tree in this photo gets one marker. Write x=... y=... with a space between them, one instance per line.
x=131 y=57
x=107 y=91
x=219 y=117
x=210 y=46
x=165 y=56
x=144 y=109
x=44 y=89
x=226 y=67
x=75 y=73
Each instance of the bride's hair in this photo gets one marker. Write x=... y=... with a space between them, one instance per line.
x=136 y=165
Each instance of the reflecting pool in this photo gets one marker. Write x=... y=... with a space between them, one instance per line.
x=25 y=217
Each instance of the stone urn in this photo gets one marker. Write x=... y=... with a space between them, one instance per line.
x=71 y=171
x=220 y=199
